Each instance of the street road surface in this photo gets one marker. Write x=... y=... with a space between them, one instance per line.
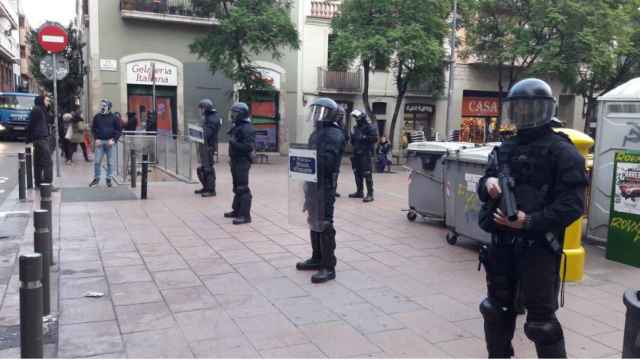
x=9 y=166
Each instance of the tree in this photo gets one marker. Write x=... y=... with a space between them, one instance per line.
x=246 y=28
x=70 y=87
x=512 y=36
x=402 y=36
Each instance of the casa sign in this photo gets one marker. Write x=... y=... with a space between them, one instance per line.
x=140 y=73
x=479 y=106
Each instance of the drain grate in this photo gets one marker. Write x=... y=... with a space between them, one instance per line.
x=86 y=194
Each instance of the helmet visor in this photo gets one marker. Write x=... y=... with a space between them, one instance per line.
x=318 y=114
x=527 y=113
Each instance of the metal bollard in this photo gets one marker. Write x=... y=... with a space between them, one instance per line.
x=31 y=306
x=143 y=181
x=42 y=246
x=133 y=168
x=22 y=186
x=47 y=204
x=29 y=163
x=631 y=342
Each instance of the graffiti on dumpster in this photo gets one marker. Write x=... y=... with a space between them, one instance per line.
x=471 y=204
x=628 y=226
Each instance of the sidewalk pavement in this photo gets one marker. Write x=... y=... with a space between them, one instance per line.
x=181 y=281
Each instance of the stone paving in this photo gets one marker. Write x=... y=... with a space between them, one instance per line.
x=181 y=281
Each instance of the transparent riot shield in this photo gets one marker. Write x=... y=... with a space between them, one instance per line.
x=305 y=197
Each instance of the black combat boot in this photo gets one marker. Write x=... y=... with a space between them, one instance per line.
x=323 y=275
x=315 y=261
x=556 y=350
x=230 y=214
x=208 y=193
x=198 y=192
x=327 y=249
x=242 y=220
x=369 y=197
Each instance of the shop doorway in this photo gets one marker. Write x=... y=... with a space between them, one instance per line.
x=140 y=102
x=419 y=117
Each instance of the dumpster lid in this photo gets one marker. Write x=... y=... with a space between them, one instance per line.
x=478 y=155
x=629 y=91
x=440 y=147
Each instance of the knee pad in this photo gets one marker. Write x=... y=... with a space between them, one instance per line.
x=543 y=331
x=492 y=312
x=241 y=190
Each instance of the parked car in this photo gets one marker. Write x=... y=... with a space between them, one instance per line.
x=14 y=113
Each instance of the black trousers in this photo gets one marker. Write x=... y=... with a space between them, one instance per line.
x=71 y=148
x=42 y=162
x=362 y=166
x=241 y=193
x=526 y=275
x=206 y=171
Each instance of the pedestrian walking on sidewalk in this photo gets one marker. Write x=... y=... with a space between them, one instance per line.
x=210 y=125
x=242 y=144
x=329 y=142
x=79 y=131
x=363 y=138
x=106 y=131
x=38 y=133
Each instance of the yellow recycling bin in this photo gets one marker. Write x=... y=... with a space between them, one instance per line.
x=573 y=250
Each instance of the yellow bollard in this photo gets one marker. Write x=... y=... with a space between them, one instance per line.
x=573 y=250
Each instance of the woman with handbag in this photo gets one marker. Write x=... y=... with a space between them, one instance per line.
x=76 y=136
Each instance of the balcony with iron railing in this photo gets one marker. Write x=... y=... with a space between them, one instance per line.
x=176 y=11
x=339 y=81
x=324 y=9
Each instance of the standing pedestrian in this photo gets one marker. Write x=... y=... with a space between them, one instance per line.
x=67 y=131
x=39 y=133
x=106 y=131
x=328 y=141
x=242 y=139
x=210 y=125
x=382 y=150
x=79 y=131
x=545 y=173
x=363 y=138
x=132 y=122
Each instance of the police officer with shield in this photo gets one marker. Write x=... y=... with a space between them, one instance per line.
x=210 y=125
x=242 y=144
x=363 y=139
x=543 y=174
x=329 y=141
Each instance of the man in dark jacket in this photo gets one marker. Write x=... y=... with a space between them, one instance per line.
x=363 y=138
x=242 y=138
x=545 y=174
x=210 y=125
x=329 y=142
x=38 y=133
x=132 y=122
x=106 y=131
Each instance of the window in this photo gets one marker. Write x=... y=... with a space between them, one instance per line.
x=379 y=108
x=334 y=63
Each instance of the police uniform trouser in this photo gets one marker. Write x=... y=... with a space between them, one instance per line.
x=361 y=165
x=323 y=243
x=206 y=171
x=531 y=273
x=42 y=163
x=242 y=194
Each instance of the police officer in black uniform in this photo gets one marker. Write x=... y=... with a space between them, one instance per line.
x=546 y=174
x=328 y=140
x=210 y=125
x=363 y=139
x=340 y=120
x=242 y=143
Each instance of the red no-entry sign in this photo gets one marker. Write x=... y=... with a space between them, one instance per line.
x=52 y=37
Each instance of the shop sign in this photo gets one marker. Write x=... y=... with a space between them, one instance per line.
x=108 y=65
x=418 y=108
x=479 y=106
x=623 y=243
x=139 y=72
x=271 y=77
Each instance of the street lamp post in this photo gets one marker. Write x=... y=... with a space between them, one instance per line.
x=452 y=68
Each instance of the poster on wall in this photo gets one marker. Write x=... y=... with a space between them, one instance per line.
x=623 y=243
x=266 y=137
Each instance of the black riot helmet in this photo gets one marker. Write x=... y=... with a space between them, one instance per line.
x=239 y=112
x=323 y=111
x=530 y=104
x=360 y=116
x=206 y=105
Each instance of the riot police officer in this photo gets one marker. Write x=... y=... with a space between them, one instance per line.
x=363 y=138
x=545 y=174
x=242 y=139
x=210 y=125
x=329 y=141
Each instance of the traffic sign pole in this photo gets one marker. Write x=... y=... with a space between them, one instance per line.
x=55 y=114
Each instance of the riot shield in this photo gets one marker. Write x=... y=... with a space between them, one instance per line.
x=305 y=197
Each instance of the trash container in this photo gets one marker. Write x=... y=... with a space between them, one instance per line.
x=464 y=168
x=631 y=342
x=426 y=179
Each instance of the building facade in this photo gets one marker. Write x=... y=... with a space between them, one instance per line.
x=27 y=82
x=9 y=45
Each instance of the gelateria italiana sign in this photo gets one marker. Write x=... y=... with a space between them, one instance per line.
x=140 y=72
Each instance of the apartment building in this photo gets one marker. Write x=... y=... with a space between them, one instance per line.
x=27 y=82
x=9 y=45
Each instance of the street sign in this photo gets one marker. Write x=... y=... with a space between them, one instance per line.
x=52 y=37
x=62 y=67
